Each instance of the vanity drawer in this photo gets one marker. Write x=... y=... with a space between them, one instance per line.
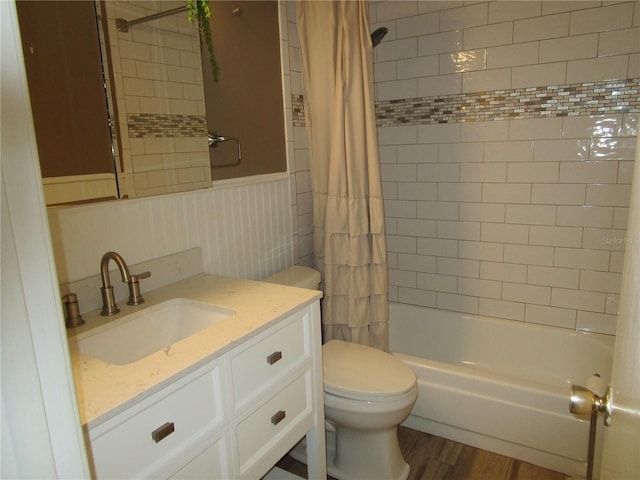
x=160 y=430
x=268 y=360
x=268 y=426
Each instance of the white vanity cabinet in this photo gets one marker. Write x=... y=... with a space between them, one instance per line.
x=233 y=417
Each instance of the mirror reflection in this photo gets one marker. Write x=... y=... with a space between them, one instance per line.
x=149 y=136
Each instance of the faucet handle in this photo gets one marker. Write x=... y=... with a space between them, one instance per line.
x=135 y=296
x=140 y=276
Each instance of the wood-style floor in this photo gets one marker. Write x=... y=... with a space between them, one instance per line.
x=435 y=458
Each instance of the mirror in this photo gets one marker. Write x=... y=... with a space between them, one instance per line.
x=159 y=142
x=157 y=114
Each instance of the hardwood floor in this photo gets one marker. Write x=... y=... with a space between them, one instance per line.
x=435 y=458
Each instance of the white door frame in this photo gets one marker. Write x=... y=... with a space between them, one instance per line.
x=34 y=303
x=621 y=451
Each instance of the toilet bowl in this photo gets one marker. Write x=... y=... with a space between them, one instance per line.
x=367 y=394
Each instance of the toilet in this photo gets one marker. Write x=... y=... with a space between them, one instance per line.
x=367 y=394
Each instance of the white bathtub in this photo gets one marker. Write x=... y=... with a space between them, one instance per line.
x=500 y=385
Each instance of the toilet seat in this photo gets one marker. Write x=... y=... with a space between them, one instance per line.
x=364 y=373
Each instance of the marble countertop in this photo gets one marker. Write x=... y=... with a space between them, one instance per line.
x=104 y=389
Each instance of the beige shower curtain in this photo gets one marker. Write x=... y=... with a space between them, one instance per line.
x=349 y=233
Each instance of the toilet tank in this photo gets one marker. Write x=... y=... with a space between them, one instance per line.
x=297 y=276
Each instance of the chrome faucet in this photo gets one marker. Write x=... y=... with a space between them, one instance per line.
x=109 y=306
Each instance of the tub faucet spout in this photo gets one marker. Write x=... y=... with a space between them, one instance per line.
x=109 y=306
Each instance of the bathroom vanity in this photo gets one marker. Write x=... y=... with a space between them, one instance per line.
x=225 y=402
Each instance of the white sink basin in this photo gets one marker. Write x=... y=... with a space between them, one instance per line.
x=140 y=334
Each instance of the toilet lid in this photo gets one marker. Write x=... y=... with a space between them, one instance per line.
x=357 y=371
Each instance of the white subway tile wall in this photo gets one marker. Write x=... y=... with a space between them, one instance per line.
x=299 y=160
x=507 y=135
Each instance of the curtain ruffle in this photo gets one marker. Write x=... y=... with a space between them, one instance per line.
x=374 y=334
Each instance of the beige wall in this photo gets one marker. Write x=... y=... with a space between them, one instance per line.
x=247 y=101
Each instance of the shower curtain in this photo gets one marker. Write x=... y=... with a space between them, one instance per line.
x=348 y=217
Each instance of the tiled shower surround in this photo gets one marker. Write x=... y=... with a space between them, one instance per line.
x=507 y=137
x=507 y=134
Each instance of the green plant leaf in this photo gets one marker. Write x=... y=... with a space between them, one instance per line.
x=199 y=9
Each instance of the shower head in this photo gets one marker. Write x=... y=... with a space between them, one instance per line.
x=378 y=34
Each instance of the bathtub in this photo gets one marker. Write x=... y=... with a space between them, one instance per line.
x=500 y=385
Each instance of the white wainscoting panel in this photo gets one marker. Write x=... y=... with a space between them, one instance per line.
x=244 y=231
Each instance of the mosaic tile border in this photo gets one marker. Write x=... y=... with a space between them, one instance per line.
x=591 y=98
x=152 y=125
x=297 y=105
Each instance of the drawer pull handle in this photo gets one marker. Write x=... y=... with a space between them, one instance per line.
x=163 y=431
x=274 y=357
x=278 y=417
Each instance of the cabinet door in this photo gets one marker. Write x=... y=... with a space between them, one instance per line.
x=156 y=437
x=274 y=427
x=211 y=463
